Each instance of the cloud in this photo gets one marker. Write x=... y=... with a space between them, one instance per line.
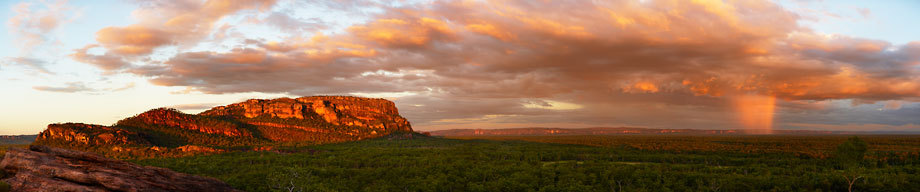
x=80 y=87
x=395 y=32
x=553 y=105
x=132 y=40
x=195 y=106
x=33 y=63
x=641 y=87
x=72 y=87
x=864 y=12
x=32 y=23
x=652 y=64
x=106 y=61
x=32 y=27
x=126 y=87
x=162 y=23
x=287 y=23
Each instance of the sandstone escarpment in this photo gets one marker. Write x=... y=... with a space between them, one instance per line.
x=376 y=114
x=42 y=168
x=86 y=134
x=241 y=126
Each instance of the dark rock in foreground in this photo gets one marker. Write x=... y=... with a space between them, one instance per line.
x=42 y=168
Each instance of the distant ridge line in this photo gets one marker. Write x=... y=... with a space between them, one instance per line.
x=536 y=131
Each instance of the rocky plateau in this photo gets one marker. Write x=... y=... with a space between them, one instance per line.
x=254 y=124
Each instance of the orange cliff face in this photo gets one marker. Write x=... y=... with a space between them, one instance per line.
x=376 y=114
x=86 y=134
x=253 y=123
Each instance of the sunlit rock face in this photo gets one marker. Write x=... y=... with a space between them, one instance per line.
x=241 y=126
x=376 y=114
x=86 y=134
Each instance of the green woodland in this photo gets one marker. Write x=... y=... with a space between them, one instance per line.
x=546 y=163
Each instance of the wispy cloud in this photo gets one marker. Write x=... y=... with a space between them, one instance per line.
x=32 y=27
x=33 y=21
x=72 y=87
x=80 y=87
x=32 y=63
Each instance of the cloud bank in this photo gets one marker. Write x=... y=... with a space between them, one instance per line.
x=664 y=63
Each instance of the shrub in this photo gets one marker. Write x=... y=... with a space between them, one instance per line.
x=4 y=187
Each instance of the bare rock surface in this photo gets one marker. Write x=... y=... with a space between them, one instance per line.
x=42 y=168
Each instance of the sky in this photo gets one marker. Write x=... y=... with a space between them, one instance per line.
x=677 y=64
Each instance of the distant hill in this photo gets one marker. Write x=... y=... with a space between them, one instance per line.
x=255 y=124
x=620 y=131
x=17 y=139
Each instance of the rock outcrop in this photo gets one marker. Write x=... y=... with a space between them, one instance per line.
x=42 y=168
x=86 y=134
x=241 y=126
x=377 y=114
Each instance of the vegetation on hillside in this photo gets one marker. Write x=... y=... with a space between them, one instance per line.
x=435 y=164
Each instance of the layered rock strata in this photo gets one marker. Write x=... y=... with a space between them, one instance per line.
x=379 y=114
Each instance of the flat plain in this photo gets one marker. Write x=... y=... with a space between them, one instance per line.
x=570 y=163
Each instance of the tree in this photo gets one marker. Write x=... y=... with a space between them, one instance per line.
x=291 y=179
x=849 y=155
